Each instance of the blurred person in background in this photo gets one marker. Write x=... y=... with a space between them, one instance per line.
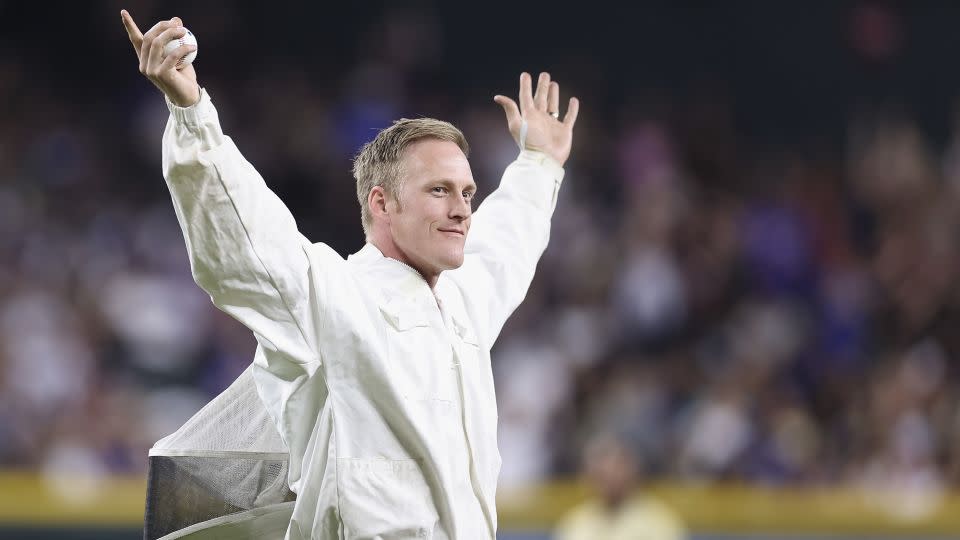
x=619 y=510
x=376 y=369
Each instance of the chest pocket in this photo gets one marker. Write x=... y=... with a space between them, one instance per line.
x=420 y=359
x=404 y=317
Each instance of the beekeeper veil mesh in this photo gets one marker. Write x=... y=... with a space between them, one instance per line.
x=224 y=466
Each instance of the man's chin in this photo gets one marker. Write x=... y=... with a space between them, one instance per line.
x=453 y=262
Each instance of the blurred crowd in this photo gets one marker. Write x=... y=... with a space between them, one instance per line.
x=736 y=312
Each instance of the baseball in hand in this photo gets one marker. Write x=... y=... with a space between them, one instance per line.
x=187 y=39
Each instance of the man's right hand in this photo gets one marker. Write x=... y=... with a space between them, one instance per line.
x=179 y=85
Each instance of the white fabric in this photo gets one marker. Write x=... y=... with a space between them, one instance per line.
x=234 y=424
x=380 y=387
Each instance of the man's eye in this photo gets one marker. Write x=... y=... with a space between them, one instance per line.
x=468 y=195
x=439 y=189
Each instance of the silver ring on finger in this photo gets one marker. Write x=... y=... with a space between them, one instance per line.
x=555 y=114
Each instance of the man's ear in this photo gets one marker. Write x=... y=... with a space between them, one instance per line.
x=377 y=201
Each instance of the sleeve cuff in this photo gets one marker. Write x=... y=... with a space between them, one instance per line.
x=537 y=178
x=195 y=115
x=543 y=160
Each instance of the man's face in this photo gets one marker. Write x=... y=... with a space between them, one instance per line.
x=431 y=225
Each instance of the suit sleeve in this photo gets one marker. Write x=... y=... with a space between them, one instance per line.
x=244 y=247
x=509 y=233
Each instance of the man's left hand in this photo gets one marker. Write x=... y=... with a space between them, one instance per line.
x=545 y=131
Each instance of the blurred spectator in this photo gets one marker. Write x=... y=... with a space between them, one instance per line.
x=618 y=511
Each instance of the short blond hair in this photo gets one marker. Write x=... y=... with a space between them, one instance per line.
x=379 y=161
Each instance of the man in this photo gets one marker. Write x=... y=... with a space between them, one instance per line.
x=376 y=370
x=618 y=512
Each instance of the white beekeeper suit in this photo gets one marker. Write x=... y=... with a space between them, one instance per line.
x=380 y=387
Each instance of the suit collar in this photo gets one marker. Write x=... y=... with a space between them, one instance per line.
x=397 y=278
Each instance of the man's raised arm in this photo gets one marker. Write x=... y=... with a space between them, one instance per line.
x=510 y=230
x=244 y=246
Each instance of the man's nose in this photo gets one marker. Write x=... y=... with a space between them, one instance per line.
x=460 y=209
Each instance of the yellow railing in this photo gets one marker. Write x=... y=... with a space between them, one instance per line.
x=750 y=509
x=29 y=498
